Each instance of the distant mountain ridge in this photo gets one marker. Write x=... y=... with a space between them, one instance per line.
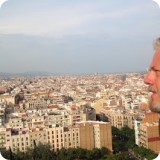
x=45 y=73
x=29 y=73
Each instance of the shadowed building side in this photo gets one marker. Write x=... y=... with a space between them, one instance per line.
x=95 y=135
x=87 y=136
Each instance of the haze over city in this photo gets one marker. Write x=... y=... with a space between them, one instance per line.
x=77 y=37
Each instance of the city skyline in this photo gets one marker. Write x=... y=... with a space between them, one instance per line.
x=77 y=37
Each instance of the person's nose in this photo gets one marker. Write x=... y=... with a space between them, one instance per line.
x=150 y=78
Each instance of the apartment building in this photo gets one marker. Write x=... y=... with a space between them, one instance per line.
x=2 y=138
x=71 y=137
x=88 y=135
x=36 y=136
x=55 y=137
x=149 y=136
x=7 y=99
x=34 y=121
x=150 y=133
x=95 y=134
x=2 y=114
x=119 y=118
x=14 y=122
x=137 y=123
x=19 y=140
x=98 y=105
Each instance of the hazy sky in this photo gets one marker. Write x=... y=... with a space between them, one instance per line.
x=77 y=36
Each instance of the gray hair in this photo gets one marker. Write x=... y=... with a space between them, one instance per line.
x=156 y=43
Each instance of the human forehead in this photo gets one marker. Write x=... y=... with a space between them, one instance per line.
x=155 y=64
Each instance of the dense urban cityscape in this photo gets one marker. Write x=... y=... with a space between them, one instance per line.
x=73 y=80
x=75 y=112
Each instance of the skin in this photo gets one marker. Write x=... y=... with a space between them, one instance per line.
x=153 y=81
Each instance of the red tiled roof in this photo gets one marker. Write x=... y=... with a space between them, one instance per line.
x=52 y=106
x=23 y=115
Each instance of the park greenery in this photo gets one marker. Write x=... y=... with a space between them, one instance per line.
x=44 y=152
x=124 y=141
x=124 y=148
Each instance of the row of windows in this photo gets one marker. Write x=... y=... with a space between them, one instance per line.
x=19 y=139
x=22 y=144
x=60 y=131
x=14 y=149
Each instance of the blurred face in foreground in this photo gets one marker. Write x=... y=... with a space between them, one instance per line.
x=153 y=80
